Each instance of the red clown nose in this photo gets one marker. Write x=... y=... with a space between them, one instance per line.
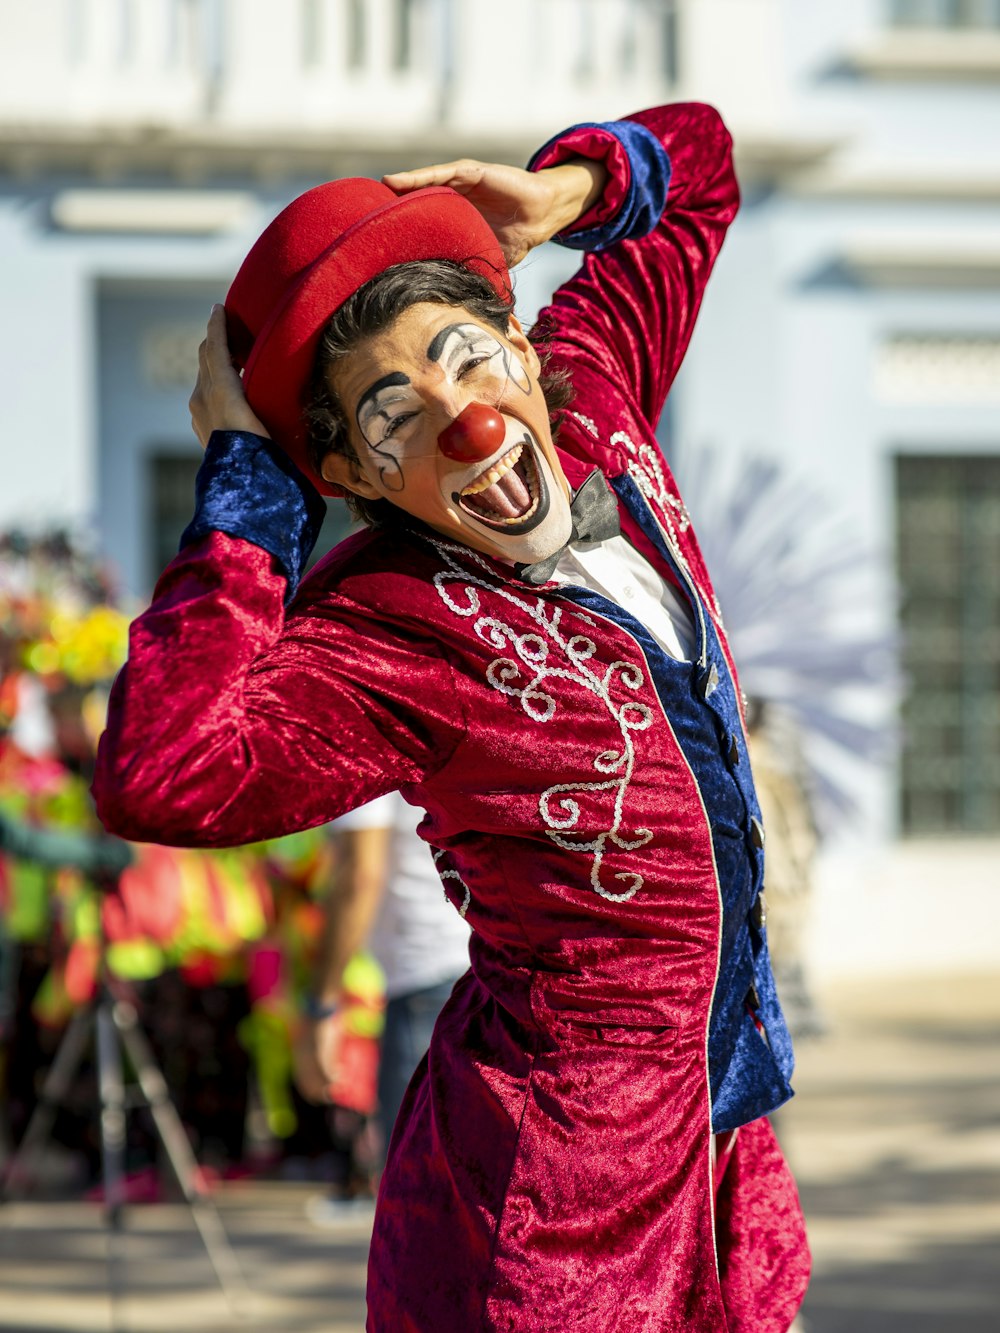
x=476 y=432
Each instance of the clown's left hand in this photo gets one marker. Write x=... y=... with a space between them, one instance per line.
x=523 y=208
x=217 y=401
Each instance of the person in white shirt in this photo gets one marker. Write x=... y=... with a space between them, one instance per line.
x=389 y=898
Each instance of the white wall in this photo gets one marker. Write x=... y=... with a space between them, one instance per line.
x=47 y=404
x=921 y=906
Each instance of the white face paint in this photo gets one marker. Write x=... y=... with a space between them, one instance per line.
x=459 y=344
x=409 y=384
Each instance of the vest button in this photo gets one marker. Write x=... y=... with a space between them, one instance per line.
x=734 y=749
x=756 y=832
x=758 y=911
x=709 y=682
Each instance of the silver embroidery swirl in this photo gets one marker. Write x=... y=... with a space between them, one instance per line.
x=533 y=668
x=646 y=469
x=453 y=874
x=586 y=422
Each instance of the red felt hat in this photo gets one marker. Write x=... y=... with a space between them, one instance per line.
x=314 y=255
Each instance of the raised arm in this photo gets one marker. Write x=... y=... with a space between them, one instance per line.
x=231 y=723
x=653 y=237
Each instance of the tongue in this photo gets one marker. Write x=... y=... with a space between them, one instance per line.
x=508 y=498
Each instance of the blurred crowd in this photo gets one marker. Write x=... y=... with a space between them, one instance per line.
x=215 y=949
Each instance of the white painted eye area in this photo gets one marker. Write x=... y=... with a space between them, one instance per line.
x=394 y=424
x=385 y=414
x=463 y=350
x=474 y=363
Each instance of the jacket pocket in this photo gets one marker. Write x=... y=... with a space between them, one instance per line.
x=570 y=1013
x=636 y=1035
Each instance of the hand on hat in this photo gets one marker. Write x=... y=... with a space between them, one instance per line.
x=522 y=208
x=218 y=401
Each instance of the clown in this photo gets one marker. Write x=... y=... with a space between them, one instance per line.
x=524 y=642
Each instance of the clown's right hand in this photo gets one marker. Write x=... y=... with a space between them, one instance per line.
x=218 y=401
x=523 y=208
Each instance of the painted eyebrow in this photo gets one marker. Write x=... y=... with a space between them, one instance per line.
x=395 y=380
x=436 y=345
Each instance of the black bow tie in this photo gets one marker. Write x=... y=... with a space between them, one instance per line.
x=594 y=511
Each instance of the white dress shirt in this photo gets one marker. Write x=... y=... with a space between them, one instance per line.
x=616 y=570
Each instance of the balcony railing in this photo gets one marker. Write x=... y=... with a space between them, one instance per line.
x=370 y=67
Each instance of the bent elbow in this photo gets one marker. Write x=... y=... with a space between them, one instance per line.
x=141 y=801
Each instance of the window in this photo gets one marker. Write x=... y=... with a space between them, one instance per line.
x=948 y=561
x=77 y=31
x=312 y=33
x=171 y=501
x=402 y=34
x=184 y=34
x=583 y=68
x=944 y=13
x=669 y=41
x=357 y=35
x=171 y=498
x=126 y=32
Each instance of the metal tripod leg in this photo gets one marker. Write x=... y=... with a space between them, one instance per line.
x=58 y=1082
x=182 y=1159
x=111 y=1090
x=111 y=1094
x=117 y=1027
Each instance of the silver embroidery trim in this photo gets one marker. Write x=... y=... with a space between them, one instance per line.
x=646 y=470
x=585 y=422
x=533 y=664
x=453 y=874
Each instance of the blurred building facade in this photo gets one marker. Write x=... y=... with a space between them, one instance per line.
x=853 y=327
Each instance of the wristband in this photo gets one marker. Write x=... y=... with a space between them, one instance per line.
x=316 y=1009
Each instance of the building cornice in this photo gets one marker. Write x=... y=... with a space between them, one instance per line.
x=805 y=164
x=197 y=156
x=905 y=257
x=767 y=155
x=929 y=53
x=926 y=182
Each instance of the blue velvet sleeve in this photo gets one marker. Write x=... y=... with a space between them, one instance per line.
x=246 y=487
x=639 y=171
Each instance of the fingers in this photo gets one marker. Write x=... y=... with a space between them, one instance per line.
x=313 y=1066
x=216 y=343
x=462 y=175
x=312 y=1085
x=218 y=401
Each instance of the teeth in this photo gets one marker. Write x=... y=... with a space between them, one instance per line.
x=498 y=470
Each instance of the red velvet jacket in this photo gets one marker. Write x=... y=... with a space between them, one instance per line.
x=591 y=812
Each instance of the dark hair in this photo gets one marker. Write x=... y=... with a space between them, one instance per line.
x=373 y=308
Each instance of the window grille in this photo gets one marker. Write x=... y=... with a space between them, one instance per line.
x=171 y=504
x=948 y=563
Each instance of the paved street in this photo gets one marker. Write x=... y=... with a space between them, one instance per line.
x=895 y=1135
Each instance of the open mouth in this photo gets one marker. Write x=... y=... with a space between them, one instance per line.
x=511 y=494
